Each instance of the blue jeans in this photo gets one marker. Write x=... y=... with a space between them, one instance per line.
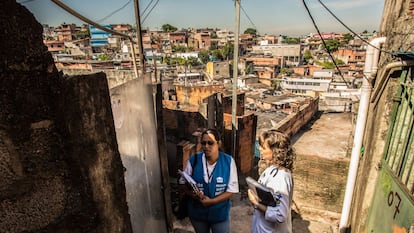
x=208 y=227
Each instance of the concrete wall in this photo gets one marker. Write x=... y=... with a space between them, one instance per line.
x=319 y=183
x=336 y=104
x=114 y=77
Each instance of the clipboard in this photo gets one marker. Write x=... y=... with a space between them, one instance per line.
x=190 y=181
x=265 y=194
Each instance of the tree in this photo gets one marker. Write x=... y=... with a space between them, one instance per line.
x=332 y=45
x=217 y=54
x=227 y=51
x=213 y=45
x=286 y=71
x=193 y=61
x=291 y=40
x=347 y=37
x=307 y=56
x=178 y=48
x=204 y=56
x=250 y=31
x=167 y=60
x=276 y=85
x=249 y=68
x=168 y=28
x=82 y=35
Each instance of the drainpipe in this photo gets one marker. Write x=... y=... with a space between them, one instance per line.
x=370 y=69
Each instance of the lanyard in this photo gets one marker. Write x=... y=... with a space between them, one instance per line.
x=209 y=175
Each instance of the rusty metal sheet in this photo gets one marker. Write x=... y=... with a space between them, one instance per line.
x=134 y=118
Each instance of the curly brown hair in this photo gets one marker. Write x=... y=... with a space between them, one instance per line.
x=282 y=151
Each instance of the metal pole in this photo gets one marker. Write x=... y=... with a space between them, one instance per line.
x=139 y=36
x=134 y=60
x=155 y=66
x=235 y=73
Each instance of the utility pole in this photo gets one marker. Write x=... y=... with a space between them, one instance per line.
x=235 y=73
x=139 y=37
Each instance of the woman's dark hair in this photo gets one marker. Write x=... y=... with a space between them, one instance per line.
x=213 y=132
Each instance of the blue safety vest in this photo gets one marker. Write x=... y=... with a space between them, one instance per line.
x=219 y=182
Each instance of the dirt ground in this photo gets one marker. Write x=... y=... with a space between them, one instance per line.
x=328 y=135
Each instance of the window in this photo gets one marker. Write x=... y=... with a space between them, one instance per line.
x=399 y=153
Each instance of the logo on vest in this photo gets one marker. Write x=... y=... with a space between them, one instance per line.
x=219 y=180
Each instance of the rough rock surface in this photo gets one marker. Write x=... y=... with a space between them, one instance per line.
x=60 y=169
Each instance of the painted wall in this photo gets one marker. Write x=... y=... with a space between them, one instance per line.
x=396 y=26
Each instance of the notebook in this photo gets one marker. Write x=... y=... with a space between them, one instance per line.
x=265 y=194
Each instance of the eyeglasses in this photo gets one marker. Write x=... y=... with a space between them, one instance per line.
x=210 y=143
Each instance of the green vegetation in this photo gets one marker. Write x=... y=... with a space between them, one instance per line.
x=330 y=65
x=227 y=51
x=168 y=28
x=223 y=53
x=291 y=40
x=214 y=45
x=204 y=56
x=250 y=31
x=346 y=38
x=104 y=57
x=179 y=48
x=286 y=71
x=276 y=85
x=249 y=68
x=332 y=45
x=307 y=56
x=82 y=35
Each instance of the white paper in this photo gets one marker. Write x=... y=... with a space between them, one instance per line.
x=189 y=180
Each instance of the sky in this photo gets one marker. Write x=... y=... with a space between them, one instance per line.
x=271 y=17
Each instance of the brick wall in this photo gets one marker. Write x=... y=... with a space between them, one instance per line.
x=294 y=122
x=194 y=95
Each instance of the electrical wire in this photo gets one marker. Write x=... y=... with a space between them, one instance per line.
x=324 y=43
x=114 y=12
x=355 y=34
x=24 y=2
x=83 y=18
x=149 y=12
x=245 y=13
x=146 y=8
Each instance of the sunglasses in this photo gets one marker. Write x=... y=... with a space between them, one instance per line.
x=210 y=143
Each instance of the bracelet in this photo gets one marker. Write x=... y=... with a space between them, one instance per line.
x=256 y=206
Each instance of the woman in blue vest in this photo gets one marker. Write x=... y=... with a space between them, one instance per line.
x=215 y=174
x=275 y=170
